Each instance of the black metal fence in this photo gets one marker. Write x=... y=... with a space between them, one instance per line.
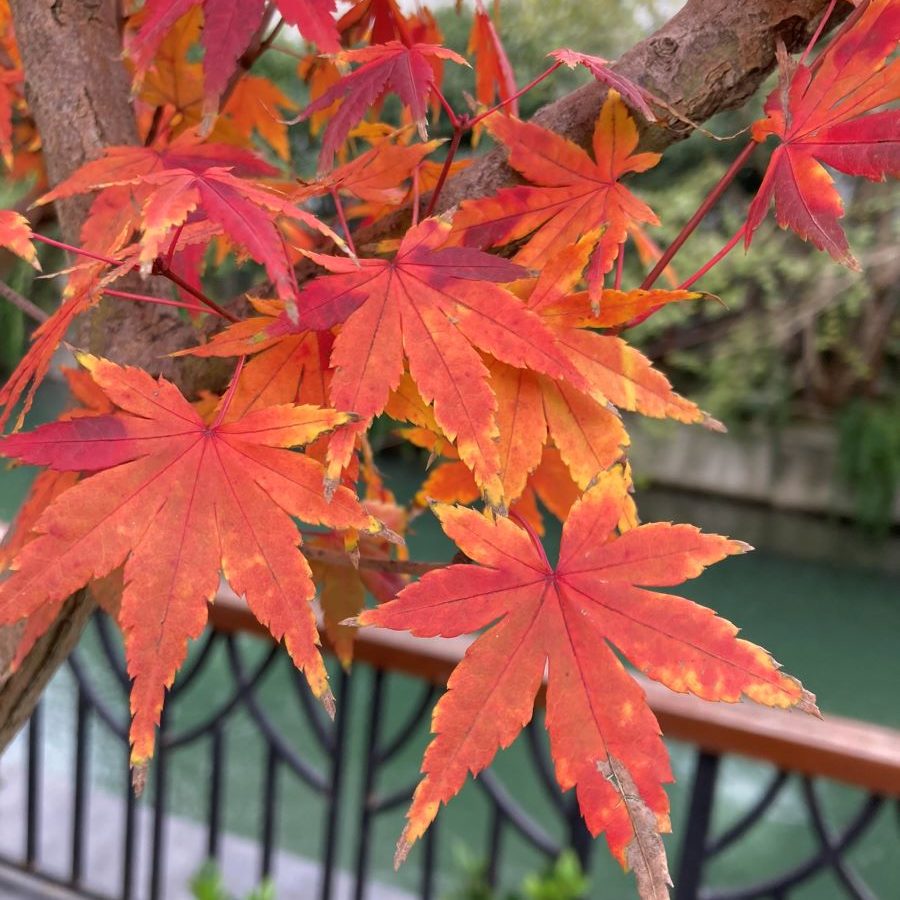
x=52 y=823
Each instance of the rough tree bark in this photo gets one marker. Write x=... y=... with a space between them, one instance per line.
x=711 y=56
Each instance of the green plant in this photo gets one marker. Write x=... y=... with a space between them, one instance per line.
x=561 y=880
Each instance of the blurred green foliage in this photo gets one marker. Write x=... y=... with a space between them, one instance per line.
x=562 y=880
x=870 y=458
x=207 y=884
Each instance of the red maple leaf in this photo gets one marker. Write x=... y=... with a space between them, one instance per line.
x=228 y=27
x=494 y=76
x=632 y=93
x=177 y=501
x=604 y=739
x=823 y=115
x=433 y=305
x=379 y=20
x=195 y=181
x=575 y=195
x=407 y=71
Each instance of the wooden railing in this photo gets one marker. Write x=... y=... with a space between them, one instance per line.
x=839 y=749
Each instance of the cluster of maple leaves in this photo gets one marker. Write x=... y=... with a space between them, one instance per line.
x=510 y=368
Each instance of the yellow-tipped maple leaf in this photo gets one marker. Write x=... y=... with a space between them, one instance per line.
x=178 y=501
x=565 y=620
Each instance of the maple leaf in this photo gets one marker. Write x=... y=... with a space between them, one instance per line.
x=177 y=501
x=176 y=82
x=381 y=20
x=549 y=481
x=10 y=98
x=632 y=93
x=287 y=366
x=228 y=27
x=343 y=588
x=45 y=488
x=375 y=176
x=610 y=370
x=15 y=235
x=197 y=180
x=320 y=73
x=85 y=287
x=575 y=195
x=494 y=76
x=385 y=68
x=819 y=114
x=433 y=305
x=604 y=738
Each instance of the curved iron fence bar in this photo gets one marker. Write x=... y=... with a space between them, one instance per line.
x=750 y=818
x=780 y=885
x=543 y=766
x=276 y=740
x=317 y=718
x=850 y=878
x=405 y=732
x=516 y=816
x=96 y=702
x=381 y=803
x=176 y=739
x=113 y=657
x=195 y=666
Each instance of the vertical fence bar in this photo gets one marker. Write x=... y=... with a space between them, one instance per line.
x=33 y=797
x=158 y=852
x=429 y=861
x=270 y=808
x=373 y=748
x=696 y=836
x=130 y=843
x=217 y=773
x=495 y=846
x=79 y=807
x=333 y=798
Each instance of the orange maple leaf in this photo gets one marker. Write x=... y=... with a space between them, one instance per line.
x=376 y=176
x=818 y=113
x=610 y=370
x=575 y=196
x=604 y=739
x=15 y=235
x=494 y=76
x=434 y=305
x=177 y=501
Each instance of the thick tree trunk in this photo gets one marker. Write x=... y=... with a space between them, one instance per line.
x=711 y=56
x=79 y=94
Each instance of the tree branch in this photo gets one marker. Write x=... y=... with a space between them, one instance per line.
x=712 y=56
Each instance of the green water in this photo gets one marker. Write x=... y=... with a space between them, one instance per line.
x=832 y=622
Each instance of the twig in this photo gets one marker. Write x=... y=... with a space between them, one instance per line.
x=698 y=216
x=159 y=301
x=23 y=303
x=160 y=268
x=342 y=218
x=391 y=566
x=445 y=171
